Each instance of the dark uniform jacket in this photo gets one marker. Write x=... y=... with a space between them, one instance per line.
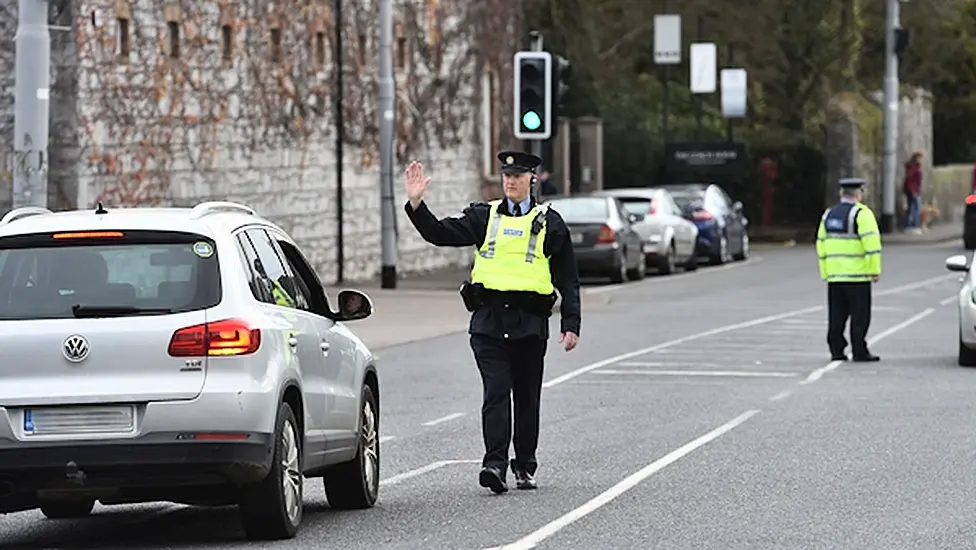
x=469 y=229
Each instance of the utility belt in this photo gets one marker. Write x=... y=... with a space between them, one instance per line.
x=475 y=296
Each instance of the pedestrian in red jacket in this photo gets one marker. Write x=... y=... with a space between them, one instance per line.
x=913 y=192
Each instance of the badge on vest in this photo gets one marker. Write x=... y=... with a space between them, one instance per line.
x=834 y=223
x=509 y=232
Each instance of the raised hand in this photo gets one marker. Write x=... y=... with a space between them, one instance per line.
x=416 y=184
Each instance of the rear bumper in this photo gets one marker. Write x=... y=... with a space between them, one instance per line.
x=155 y=460
x=597 y=260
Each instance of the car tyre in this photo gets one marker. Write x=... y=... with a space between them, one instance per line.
x=355 y=485
x=967 y=356
x=272 y=509
x=68 y=509
x=639 y=270
x=743 y=248
x=721 y=255
x=666 y=266
x=619 y=274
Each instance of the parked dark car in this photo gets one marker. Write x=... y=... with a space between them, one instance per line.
x=723 y=230
x=605 y=243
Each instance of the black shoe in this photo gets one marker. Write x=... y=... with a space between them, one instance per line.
x=493 y=479
x=838 y=357
x=524 y=480
x=866 y=358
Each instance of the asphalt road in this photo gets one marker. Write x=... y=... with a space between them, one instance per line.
x=698 y=412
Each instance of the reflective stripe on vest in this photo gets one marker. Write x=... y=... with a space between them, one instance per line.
x=511 y=258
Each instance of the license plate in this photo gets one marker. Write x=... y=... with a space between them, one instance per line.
x=648 y=248
x=114 y=419
x=577 y=238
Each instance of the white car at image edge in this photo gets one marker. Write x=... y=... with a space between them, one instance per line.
x=967 y=309
x=182 y=355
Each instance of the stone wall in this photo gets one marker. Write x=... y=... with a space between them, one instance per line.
x=233 y=100
x=855 y=140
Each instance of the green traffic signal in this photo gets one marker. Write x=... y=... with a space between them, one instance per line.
x=531 y=120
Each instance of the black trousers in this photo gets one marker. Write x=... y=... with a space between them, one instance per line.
x=510 y=368
x=848 y=300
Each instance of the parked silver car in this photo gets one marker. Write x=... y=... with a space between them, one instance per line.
x=185 y=355
x=668 y=238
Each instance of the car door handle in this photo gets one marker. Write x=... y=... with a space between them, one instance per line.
x=325 y=346
x=292 y=341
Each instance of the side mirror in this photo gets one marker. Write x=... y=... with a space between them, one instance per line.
x=353 y=305
x=958 y=262
x=737 y=206
x=634 y=218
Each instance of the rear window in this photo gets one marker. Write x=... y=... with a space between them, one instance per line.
x=588 y=210
x=687 y=198
x=106 y=274
x=636 y=205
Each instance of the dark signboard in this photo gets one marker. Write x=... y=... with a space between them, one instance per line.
x=727 y=158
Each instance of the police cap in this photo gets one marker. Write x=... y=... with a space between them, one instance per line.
x=517 y=162
x=852 y=183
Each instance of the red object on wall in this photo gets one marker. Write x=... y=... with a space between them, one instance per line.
x=767 y=174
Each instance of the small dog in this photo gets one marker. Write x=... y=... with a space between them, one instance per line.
x=929 y=213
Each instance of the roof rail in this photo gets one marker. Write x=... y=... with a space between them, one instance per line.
x=213 y=207
x=26 y=211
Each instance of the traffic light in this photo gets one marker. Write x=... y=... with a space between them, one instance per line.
x=533 y=95
x=903 y=37
x=560 y=82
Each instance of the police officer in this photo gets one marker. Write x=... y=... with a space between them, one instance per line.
x=849 y=247
x=523 y=252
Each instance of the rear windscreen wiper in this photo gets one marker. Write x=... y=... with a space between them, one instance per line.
x=82 y=312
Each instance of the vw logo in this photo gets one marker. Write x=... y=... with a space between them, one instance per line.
x=75 y=348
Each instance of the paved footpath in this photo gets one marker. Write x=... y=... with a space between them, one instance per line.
x=700 y=411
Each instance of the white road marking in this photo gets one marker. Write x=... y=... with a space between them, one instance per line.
x=386 y=438
x=743 y=374
x=424 y=470
x=948 y=300
x=781 y=395
x=918 y=284
x=550 y=529
x=667 y=364
x=674 y=277
x=818 y=374
x=636 y=353
x=444 y=419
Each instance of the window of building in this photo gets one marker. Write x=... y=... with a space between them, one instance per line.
x=227 y=42
x=275 y=44
x=174 y=39
x=490 y=119
x=123 y=37
x=320 y=48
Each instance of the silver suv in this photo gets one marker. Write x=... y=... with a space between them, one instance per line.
x=183 y=355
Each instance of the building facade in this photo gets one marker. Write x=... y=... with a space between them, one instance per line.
x=173 y=103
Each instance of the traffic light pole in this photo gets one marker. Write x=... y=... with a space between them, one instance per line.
x=890 y=118
x=31 y=107
x=535 y=146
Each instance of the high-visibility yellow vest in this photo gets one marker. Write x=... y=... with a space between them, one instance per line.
x=511 y=258
x=281 y=296
x=849 y=244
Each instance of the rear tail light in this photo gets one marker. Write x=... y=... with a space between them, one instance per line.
x=702 y=215
x=606 y=235
x=220 y=338
x=652 y=210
